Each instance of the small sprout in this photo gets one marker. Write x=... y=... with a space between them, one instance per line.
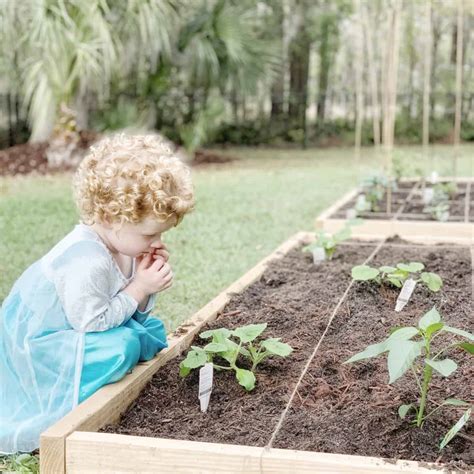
x=374 y=190
x=223 y=347
x=397 y=275
x=404 y=353
x=330 y=242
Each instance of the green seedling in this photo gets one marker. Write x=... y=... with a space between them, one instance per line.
x=438 y=211
x=449 y=189
x=397 y=275
x=411 y=348
x=224 y=348
x=330 y=242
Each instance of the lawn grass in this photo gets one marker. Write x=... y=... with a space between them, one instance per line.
x=244 y=210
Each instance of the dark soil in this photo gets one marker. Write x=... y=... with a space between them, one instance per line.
x=31 y=157
x=339 y=409
x=207 y=157
x=413 y=209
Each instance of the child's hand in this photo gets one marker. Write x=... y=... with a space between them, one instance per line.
x=150 y=277
x=162 y=252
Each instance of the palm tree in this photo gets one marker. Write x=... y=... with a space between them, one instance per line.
x=65 y=49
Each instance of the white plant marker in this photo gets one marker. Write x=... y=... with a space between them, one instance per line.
x=433 y=177
x=351 y=214
x=205 y=385
x=428 y=194
x=405 y=294
x=319 y=255
x=361 y=203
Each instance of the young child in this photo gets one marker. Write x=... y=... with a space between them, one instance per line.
x=78 y=318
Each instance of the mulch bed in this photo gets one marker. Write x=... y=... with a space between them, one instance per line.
x=31 y=157
x=404 y=207
x=346 y=409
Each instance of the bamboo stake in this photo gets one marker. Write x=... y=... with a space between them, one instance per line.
x=390 y=93
x=459 y=59
x=359 y=65
x=426 y=85
x=372 y=76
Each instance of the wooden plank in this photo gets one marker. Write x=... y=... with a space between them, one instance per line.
x=109 y=453
x=107 y=404
x=339 y=203
x=467 y=202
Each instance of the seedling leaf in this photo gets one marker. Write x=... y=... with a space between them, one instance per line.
x=459 y=332
x=404 y=409
x=387 y=269
x=432 y=281
x=431 y=317
x=445 y=367
x=467 y=346
x=411 y=267
x=400 y=357
x=195 y=358
x=250 y=332
x=246 y=378
x=403 y=333
x=215 y=347
x=455 y=402
x=454 y=430
x=370 y=351
x=276 y=347
x=364 y=273
x=432 y=328
x=217 y=334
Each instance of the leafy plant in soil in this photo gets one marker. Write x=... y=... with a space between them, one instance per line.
x=374 y=190
x=397 y=275
x=223 y=347
x=411 y=348
x=438 y=207
x=330 y=242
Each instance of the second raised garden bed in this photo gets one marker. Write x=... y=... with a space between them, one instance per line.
x=408 y=216
x=308 y=412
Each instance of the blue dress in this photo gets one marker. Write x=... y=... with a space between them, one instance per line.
x=67 y=329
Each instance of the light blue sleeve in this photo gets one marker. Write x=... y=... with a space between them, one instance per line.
x=140 y=316
x=86 y=283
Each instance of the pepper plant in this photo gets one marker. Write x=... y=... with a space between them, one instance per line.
x=397 y=275
x=411 y=348
x=223 y=347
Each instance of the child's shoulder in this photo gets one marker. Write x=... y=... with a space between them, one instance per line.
x=81 y=244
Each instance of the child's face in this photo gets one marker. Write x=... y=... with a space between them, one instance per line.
x=136 y=239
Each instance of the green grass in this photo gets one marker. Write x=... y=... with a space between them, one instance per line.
x=244 y=210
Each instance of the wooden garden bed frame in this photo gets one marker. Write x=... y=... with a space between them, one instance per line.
x=73 y=444
x=415 y=230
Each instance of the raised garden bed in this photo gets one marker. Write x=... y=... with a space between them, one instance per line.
x=408 y=217
x=308 y=413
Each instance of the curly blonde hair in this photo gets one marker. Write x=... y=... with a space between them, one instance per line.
x=127 y=178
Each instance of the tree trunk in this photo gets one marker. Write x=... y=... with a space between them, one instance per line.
x=359 y=68
x=278 y=85
x=458 y=107
x=390 y=91
x=299 y=68
x=427 y=74
x=372 y=77
x=324 y=65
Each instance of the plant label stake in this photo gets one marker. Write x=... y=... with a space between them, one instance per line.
x=319 y=255
x=205 y=385
x=405 y=294
x=351 y=214
x=433 y=177
x=428 y=194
